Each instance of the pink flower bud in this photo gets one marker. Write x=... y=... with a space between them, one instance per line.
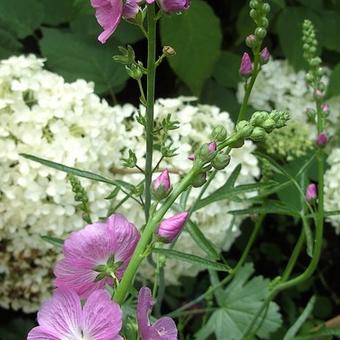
x=251 y=41
x=161 y=186
x=322 y=139
x=212 y=147
x=171 y=227
x=325 y=108
x=265 y=56
x=311 y=192
x=191 y=157
x=318 y=94
x=174 y=5
x=246 y=67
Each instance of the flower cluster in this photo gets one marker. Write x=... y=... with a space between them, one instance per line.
x=66 y=122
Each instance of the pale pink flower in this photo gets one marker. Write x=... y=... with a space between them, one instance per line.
x=63 y=317
x=161 y=186
x=174 y=5
x=162 y=329
x=110 y=12
x=108 y=245
x=171 y=227
x=246 y=67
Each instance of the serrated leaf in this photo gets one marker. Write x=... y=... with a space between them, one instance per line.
x=21 y=17
x=241 y=300
x=301 y=320
x=192 y=259
x=57 y=242
x=76 y=56
x=196 y=36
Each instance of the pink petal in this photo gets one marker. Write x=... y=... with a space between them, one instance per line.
x=61 y=314
x=40 y=333
x=102 y=318
x=144 y=307
x=150 y=1
x=131 y=8
x=166 y=328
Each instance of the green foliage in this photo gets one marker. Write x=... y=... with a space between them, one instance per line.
x=239 y=302
x=334 y=83
x=196 y=37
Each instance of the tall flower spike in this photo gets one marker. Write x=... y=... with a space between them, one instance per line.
x=63 y=317
x=246 y=67
x=96 y=255
x=311 y=192
x=110 y=12
x=174 y=5
x=161 y=186
x=163 y=329
x=171 y=227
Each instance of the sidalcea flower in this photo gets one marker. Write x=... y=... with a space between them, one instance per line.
x=322 y=139
x=63 y=317
x=265 y=56
x=174 y=5
x=171 y=227
x=162 y=329
x=246 y=67
x=96 y=255
x=110 y=12
x=311 y=192
x=161 y=186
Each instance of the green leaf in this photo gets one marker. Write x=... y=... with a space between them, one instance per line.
x=314 y=4
x=320 y=333
x=197 y=235
x=21 y=17
x=196 y=36
x=226 y=71
x=240 y=301
x=301 y=320
x=57 y=242
x=57 y=12
x=73 y=171
x=334 y=82
x=289 y=28
x=329 y=29
x=75 y=56
x=332 y=213
x=192 y=259
x=9 y=45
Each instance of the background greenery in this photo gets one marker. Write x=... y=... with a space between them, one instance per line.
x=209 y=40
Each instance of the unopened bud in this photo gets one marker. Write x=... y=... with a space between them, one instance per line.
x=269 y=125
x=325 y=108
x=251 y=41
x=260 y=33
x=207 y=152
x=311 y=192
x=168 y=51
x=322 y=139
x=246 y=67
x=171 y=227
x=244 y=129
x=220 y=161
x=258 y=134
x=264 y=56
x=258 y=118
x=219 y=133
x=199 y=180
x=134 y=71
x=161 y=186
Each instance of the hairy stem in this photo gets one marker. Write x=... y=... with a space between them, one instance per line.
x=151 y=76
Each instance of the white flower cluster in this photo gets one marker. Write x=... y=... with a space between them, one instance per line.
x=41 y=114
x=332 y=188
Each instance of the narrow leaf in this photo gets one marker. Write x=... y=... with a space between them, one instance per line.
x=193 y=259
x=57 y=242
x=301 y=319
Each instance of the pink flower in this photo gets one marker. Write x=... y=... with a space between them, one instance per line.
x=322 y=139
x=212 y=147
x=171 y=227
x=63 y=317
x=96 y=254
x=174 y=5
x=246 y=67
x=162 y=329
x=325 y=108
x=265 y=56
x=161 y=186
x=110 y=12
x=311 y=192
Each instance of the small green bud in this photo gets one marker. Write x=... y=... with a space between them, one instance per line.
x=219 y=133
x=315 y=61
x=244 y=129
x=266 y=8
x=258 y=134
x=258 y=118
x=220 y=161
x=260 y=33
x=253 y=13
x=207 y=152
x=251 y=41
x=253 y=4
x=134 y=71
x=264 y=22
x=199 y=180
x=269 y=125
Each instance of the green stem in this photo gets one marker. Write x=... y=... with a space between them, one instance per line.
x=151 y=77
x=147 y=234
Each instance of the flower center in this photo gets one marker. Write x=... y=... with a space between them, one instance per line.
x=108 y=269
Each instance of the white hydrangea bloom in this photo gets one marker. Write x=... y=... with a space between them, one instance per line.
x=67 y=123
x=332 y=187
